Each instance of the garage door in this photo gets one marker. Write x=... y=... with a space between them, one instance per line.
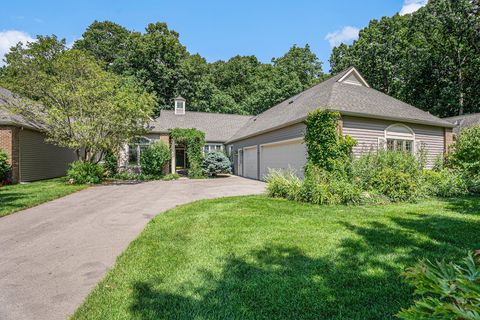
x=250 y=162
x=282 y=156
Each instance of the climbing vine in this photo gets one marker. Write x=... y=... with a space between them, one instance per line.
x=193 y=140
x=327 y=148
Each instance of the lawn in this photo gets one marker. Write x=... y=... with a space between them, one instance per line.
x=21 y=196
x=261 y=258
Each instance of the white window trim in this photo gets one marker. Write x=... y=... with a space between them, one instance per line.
x=399 y=136
x=179 y=110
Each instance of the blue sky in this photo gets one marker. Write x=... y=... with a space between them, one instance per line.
x=215 y=29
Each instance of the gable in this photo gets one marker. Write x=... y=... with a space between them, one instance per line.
x=354 y=77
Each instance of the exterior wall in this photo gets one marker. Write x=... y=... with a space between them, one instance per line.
x=449 y=138
x=290 y=132
x=40 y=160
x=368 y=131
x=10 y=144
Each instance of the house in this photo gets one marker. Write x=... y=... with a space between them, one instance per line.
x=30 y=156
x=464 y=121
x=274 y=138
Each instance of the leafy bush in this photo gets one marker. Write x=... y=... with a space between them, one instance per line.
x=216 y=162
x=154 y=158
x=81 y=172
x=323 y=187
x=465 y=153
x=448 y=290
x=110 y=163
x=171 y=176
x=283 y=184
x=4 y=166
x=391 y=173
x=193 y=140
x=327 y=148
x=444 y=183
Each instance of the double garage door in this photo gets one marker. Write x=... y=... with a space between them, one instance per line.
x=258 y=161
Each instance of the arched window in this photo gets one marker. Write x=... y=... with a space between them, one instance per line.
x=135 y=149
x=400 y=137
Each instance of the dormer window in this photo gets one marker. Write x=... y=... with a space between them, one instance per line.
x=179 y=105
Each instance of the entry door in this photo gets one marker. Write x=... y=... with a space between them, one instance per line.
x=250 y=162
x=180 y=161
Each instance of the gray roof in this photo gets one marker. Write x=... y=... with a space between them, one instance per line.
x=9 y=118
x=346 y=98
x=218 y=127
x=465 y=121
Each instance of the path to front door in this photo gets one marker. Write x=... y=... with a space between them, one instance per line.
x=53 y=255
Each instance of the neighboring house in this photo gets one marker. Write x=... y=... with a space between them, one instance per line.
x=274 y=138
x=465 y=121
x=30 y=156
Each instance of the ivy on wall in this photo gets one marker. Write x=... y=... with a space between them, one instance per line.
x=327 y=148
x=194 y=141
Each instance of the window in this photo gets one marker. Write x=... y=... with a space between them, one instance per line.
x=400 y=145
x=135 y=150
x=399 y=137
x=179 y=107
x=212 y=147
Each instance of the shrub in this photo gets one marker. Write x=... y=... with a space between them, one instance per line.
x=327 y=148
x=110 y=163
x=391 y=173
x=4 y=166
x=154 y=158
x=465 y=153
x=215 y=163
x=444 y=183
x=448 y=290
x=283 y=184
x=171 y=176
x=81 y=172
x=323 y=187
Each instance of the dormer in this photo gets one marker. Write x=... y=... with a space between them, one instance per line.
x=179 y=104
x=352 y=76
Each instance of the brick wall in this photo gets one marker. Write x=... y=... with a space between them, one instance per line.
x=9 y=142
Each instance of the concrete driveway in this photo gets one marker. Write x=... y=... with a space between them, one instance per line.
x=53 y=255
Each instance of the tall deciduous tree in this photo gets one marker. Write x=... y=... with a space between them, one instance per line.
x=430 y=58
x=80 y=105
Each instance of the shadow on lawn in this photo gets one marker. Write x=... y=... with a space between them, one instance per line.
x=361 y=280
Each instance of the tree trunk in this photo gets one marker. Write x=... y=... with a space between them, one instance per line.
x=461 y=100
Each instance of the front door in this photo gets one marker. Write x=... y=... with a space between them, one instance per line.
x=180 y=158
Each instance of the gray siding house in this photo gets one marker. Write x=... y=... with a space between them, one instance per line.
x=30 y=156
x=274 y=138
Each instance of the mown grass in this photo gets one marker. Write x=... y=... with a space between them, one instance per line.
x=262 y=258
x=21 y=196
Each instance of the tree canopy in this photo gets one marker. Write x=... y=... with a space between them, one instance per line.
x=79 y=104
x=158 y=60
x=430 y=58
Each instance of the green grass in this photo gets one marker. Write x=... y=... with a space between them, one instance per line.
x=261 y=258
x=21 y=196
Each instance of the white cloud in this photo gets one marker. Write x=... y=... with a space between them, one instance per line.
x=410 y=6
x=9 y=39
x=345 y=35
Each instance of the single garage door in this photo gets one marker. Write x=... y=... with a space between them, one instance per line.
x=250 y=162
x=282 y=156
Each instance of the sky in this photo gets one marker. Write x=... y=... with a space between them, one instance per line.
x=217 y=30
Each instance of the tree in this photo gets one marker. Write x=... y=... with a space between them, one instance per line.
x=303 y=63
x=106 y=41
x=79 y=104
x=430 y=58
